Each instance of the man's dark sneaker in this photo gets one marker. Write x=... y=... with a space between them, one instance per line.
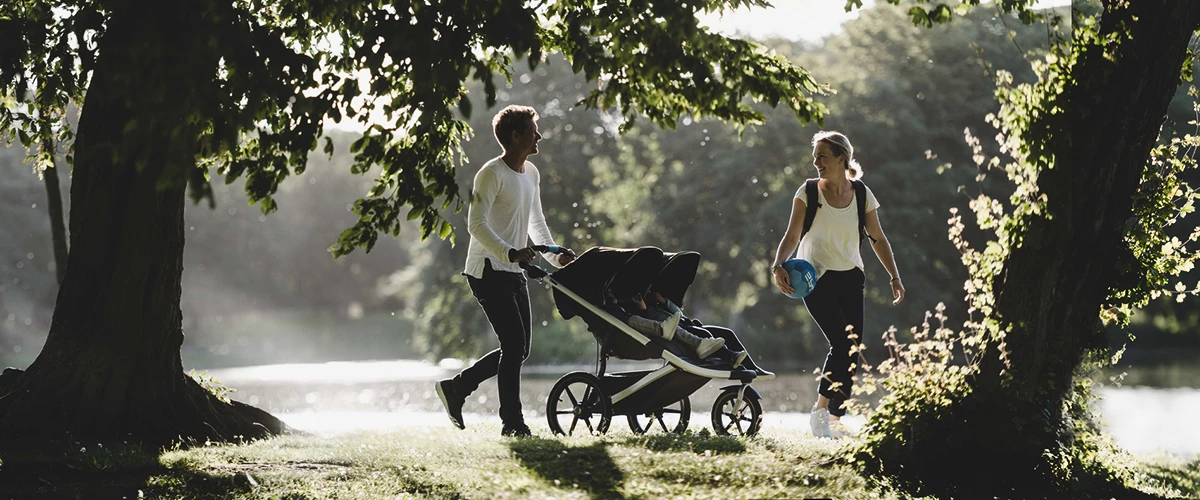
x=452 y=400
x=516 y=430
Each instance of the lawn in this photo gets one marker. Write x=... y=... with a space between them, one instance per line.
x=441 y=462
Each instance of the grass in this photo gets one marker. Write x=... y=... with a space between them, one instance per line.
x=441 y=462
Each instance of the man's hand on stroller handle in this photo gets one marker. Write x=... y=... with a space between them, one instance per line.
x=565 y=255
x=526 y=255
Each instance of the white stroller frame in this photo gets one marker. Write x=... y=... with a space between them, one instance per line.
x=736 y=411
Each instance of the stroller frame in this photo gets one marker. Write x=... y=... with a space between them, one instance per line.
x=658 y=393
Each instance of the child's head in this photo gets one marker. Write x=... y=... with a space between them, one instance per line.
x=655 y=296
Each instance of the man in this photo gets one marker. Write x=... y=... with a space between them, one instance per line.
x=505 y=212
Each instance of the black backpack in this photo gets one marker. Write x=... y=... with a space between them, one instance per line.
x=812 y=204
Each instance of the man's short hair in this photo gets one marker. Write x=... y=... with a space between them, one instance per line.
x=511 y=119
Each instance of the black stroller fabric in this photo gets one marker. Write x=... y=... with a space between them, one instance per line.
x=625 y=272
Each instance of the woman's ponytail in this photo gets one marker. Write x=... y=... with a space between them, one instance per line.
x=854 y=171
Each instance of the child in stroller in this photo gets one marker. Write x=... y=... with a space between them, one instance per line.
x=733 y=351
x=659 y=322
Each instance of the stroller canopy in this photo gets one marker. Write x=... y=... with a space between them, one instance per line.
x=625 y=272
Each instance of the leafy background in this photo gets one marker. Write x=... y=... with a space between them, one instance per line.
x=264 y=288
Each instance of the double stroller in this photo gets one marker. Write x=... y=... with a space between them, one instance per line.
x=585 y=402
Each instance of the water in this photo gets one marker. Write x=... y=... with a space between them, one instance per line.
x=382 y=395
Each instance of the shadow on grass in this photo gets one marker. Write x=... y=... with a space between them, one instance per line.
x=94 y=470
x=695 y=443
x=59 y=469
x=588 y=468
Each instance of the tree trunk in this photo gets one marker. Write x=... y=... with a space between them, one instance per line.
x=58 y=230
x=111 y=365
x=1009 y=430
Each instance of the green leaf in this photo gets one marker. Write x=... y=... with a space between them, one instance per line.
x=920 y=17
x=941 y=14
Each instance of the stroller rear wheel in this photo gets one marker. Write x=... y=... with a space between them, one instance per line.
x=671 y=418
x=733 y=417
x=578 y=403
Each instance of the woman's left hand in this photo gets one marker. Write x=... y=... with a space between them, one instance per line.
x=897 y=291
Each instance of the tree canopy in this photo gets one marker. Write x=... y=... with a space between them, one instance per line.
x=267 y=75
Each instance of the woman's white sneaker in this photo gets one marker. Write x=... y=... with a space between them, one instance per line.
x=819 y=421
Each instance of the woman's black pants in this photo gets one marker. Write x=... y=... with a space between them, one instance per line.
x=836 y=303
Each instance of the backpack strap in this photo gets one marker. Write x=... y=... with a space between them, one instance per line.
x=860 y=197
x=811 y=204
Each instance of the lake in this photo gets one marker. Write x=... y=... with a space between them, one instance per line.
x=1151 y=411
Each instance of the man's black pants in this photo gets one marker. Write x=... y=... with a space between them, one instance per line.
x=504 y=297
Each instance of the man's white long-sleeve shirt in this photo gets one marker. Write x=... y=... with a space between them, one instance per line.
x=505 y=212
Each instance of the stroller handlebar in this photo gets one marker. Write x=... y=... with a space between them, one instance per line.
x=536 y=272
x=555 y=249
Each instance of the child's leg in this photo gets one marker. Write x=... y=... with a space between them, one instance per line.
x=649 y=327
x=703 y=347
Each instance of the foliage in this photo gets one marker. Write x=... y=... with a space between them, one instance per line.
x=238 y=259
x=709 y=187
x=1155 y=256
x=703 y=170
x=212 y=385
x=926 y=379
x=268 y=73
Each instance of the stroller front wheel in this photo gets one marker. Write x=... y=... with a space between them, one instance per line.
x=733 y=417
x=577 y=403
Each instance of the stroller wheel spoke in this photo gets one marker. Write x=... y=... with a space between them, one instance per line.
x=581 y=396
x=661 y=424
x=736 y=414
x=671 y=419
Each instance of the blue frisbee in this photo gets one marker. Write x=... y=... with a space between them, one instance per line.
x=803 y=277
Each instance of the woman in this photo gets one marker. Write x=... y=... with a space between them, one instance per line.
x=832 y=246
